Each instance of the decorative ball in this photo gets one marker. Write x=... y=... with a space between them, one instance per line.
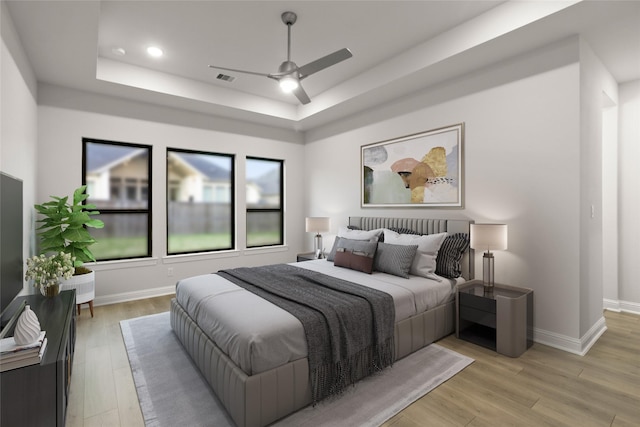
x=27 y=328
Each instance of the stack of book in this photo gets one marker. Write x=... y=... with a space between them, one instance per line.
x=14 y=356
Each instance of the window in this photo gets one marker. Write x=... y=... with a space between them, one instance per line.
x=200 y=209
x=118 y=179
x=264 y=192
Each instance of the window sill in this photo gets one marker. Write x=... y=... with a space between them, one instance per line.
x=265 y=250
x=122 y=263
x=173 y=259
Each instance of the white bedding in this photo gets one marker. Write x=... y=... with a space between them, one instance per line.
x=259 y=336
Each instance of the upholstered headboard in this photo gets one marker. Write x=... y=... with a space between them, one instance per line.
x=422 y=226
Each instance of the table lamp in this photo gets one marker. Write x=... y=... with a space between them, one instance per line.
x=488 y=237
x=317 y=224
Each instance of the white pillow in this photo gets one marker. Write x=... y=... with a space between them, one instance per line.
x=424 y=262
x=370 y=235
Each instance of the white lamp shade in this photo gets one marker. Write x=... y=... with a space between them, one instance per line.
x=489 y=237
x=317 y=224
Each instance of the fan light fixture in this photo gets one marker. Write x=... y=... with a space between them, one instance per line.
x=289 y=75
x=288 y=84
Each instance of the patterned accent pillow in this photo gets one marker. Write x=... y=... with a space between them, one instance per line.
x=356 y=255
x=394 y=259
x=450 y=254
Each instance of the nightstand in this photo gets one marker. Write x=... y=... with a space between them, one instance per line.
x=308 y=256
x=501 y=320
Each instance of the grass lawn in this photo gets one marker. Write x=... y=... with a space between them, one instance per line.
x=131 y=247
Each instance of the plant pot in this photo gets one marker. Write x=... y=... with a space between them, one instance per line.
x=84 y=284
x=50 y=291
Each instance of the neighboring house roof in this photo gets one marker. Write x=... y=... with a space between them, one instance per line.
x=102 y=157
x=269 y=182
x=200 y=163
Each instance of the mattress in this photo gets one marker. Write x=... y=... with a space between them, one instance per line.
x=258 y=336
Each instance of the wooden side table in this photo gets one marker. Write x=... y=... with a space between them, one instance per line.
x=501 y=320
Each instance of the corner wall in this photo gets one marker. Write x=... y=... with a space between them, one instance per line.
x=595 y=82
x=18 y=119
x=629 y=196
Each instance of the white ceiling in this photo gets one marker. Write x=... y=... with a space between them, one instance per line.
x=399 y=47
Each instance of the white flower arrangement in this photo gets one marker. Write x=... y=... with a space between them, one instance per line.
x=47 y=271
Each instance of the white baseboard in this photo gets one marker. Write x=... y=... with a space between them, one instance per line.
x=572 y=345
x=611 y=305
x=618 y=306
x=135 y=295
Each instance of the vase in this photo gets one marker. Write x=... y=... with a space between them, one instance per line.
x=50 y=291
x=27 y=328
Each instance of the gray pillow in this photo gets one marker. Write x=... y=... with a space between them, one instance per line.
x=332 y=253
x=394 y=259
x=353 y=233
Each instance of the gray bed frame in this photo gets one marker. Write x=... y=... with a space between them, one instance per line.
x=259 y=400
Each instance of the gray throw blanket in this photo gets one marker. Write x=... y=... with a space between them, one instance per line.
x=349 y=328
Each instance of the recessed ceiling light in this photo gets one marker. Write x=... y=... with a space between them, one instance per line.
x=155 y=51
x=118 y=51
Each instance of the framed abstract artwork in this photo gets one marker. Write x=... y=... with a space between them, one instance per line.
x=419 y=170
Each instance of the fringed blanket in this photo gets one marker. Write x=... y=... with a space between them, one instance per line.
x=349 y=328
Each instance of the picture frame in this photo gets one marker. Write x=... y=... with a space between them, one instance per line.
x=424 y=170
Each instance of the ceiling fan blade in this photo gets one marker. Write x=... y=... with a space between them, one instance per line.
x=240 y=71
x=301 y=95
x=324 y=62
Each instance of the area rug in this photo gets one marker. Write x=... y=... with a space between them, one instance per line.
x=172 y=392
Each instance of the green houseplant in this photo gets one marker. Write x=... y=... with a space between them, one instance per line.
x=64 y=227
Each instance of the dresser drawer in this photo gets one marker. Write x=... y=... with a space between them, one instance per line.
x=480 y=303
x=477 y=316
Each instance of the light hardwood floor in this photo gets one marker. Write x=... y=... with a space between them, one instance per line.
x=543 y=387
x=102 y=390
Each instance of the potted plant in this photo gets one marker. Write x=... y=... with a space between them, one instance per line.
x=64 y=229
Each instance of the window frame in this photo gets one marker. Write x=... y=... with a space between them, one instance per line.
x=232 y=202
x=266 y=210
x=149 y=209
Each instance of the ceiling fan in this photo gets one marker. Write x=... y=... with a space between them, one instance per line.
x=289 y=74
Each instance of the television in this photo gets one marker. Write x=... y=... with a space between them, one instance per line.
x=11 y=258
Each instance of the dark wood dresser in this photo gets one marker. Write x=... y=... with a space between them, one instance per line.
x=37 y=395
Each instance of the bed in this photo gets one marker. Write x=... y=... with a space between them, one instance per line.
x=260 y=375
